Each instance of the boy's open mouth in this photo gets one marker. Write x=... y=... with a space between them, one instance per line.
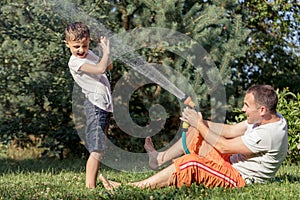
x=80 y=54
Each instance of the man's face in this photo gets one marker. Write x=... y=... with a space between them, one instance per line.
x=79 y=48
x=252 y=110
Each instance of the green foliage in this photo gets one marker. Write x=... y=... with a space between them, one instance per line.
x=214 y=25
x=288 y=106
x=273 y=54
x=37 y=86
x=34 y=78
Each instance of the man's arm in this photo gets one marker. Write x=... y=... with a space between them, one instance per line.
x=223 y=144
x=226 y=130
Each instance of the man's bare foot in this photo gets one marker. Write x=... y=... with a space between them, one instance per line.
x=108 y=184
x=152 y=153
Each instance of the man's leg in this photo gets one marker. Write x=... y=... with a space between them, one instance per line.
x=158 y=180
x=156 y=159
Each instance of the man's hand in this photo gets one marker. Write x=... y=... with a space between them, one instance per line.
x=192 y=117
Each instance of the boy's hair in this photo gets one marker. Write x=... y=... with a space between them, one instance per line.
x=77 y=31
x=264 y=95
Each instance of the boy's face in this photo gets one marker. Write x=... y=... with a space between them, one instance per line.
x=79 y=48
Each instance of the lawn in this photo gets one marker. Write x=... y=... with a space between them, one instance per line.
x=27 y=178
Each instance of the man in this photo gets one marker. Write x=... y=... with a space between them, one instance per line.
x=224 y=155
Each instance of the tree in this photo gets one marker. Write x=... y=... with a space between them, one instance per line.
x=34 y=80
x=214 y=25
x=238 y=37
x=273 y=56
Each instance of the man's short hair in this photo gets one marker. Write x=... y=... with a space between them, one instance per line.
x=264 y=95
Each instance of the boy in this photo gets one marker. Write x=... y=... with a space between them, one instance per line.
x=89 y=73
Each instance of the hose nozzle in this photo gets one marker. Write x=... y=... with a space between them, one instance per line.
x=188 y=101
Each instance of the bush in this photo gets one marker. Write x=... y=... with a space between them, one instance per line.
x=34 y=79
x=288 y=106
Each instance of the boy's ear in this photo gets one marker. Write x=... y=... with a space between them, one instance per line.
x=66 y=43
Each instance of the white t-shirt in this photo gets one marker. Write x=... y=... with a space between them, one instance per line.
x=96 y=87
x=269 y=144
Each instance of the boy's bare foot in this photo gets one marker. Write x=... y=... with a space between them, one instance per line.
x=152 y=153
x=109 y=185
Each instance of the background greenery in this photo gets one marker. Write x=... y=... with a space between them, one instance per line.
x=251 y=42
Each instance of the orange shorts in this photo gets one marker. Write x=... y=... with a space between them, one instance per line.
x=205 y=165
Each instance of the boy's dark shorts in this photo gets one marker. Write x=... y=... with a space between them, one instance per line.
x=96 y=127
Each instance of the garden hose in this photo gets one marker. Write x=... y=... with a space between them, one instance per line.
x=188 y=101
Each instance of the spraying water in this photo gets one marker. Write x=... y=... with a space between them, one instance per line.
x=135 y=61
x=124 y=49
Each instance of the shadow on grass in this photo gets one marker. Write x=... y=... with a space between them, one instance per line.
x=288 y=173
x=55 y=166
x=9 y=165
x=289 y=178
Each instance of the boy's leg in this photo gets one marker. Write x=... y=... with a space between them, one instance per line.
x=92 y=167
x=108 y=184
x=97 y=124
x=156 y=159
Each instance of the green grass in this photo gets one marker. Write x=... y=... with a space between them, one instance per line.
x=26 y=178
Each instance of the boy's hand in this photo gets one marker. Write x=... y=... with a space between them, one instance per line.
x=105 y=46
